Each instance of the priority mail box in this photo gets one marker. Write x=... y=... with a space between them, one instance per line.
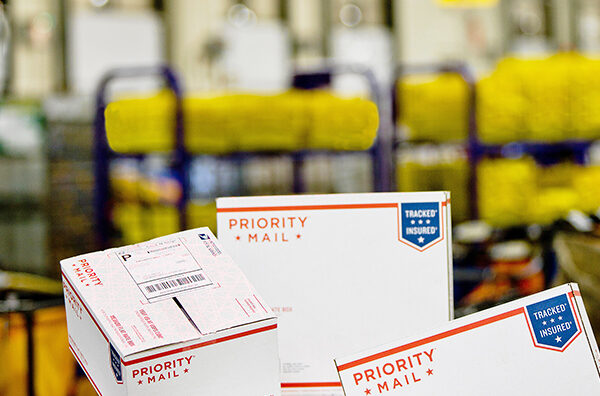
x=342 y=271
x=171 y=316
x=538 y=345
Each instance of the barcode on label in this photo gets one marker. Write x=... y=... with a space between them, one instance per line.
x=186 y=280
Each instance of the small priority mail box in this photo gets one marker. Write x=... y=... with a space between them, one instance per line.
x=342 y=270
x=539 y=345
x=171 y=316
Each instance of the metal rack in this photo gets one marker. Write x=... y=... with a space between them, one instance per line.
x=545 y=153
x=70 y=177
x=103 y=153
x=472 y=143
x=380 y=152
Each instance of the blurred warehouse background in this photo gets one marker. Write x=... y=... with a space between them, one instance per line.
x=497 y=101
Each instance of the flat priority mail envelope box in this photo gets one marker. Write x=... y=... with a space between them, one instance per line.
x=538 y=345
x=342 y=271
x=171 y=316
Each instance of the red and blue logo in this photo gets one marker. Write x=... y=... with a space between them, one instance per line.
x=420 y=224
x=552 y=322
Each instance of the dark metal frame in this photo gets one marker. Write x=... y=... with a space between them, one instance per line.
x=380 y=152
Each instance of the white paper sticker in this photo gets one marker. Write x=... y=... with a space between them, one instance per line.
x=163 y=269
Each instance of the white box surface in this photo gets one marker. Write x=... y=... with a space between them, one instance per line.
x=538 y=345
x=173 y=315
x=342 y=271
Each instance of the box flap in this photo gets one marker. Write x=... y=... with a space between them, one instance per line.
x=168 y=290
x=231 y=300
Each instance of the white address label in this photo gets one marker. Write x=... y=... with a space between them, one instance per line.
x=163 y=269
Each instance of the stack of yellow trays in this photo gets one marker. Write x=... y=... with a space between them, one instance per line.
x=290 y=121
x=517 y=191
x=434 y=109
x=430 y=168
x=545 y=100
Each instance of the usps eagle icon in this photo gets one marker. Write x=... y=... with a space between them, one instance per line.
x=421 y=224
x=552 y=323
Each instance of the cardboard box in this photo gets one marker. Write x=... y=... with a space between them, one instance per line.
x=539 y=345
x=342 y=271
x=173 y=315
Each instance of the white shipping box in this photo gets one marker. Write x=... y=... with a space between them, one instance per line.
x=173 y=315
x=342 y=271
x=538 y=345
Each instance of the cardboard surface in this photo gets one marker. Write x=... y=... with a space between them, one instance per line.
x=142 y=317
x=542 y=344
x=342 y=271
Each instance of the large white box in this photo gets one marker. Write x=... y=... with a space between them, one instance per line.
x=173 y=315
x=538 y=345
x=342 y=271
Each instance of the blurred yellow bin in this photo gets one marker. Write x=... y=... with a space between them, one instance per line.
x=545 y=99
x=518 y=191
x=54 y=364
x=434 y=108
x=137 y=222
x=289 y=121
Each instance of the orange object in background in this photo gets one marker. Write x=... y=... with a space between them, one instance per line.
x=54 y=364
x=524 y=277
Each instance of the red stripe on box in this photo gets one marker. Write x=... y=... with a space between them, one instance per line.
x=307 y=207
x=310 y=384
x=257 y=300
x=242 y=307
x=85 y=306
x=339 y=206
x=84 y=369
x=433 y=338
x=200 y=345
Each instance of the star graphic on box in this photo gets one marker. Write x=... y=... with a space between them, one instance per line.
x=367 y=391
x=421 y=239
x=429 y=372
x=298 y=236
x=140 y=382
x=552 y=320
x=544 y=323
x=560 y=318
x=558 y=339
x=237 y=237
x=185 y=370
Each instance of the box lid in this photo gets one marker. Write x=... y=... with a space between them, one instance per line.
x=164 y=291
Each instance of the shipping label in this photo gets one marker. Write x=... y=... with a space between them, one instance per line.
x=163 y=268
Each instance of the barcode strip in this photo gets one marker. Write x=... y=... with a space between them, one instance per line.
x=186 y=280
